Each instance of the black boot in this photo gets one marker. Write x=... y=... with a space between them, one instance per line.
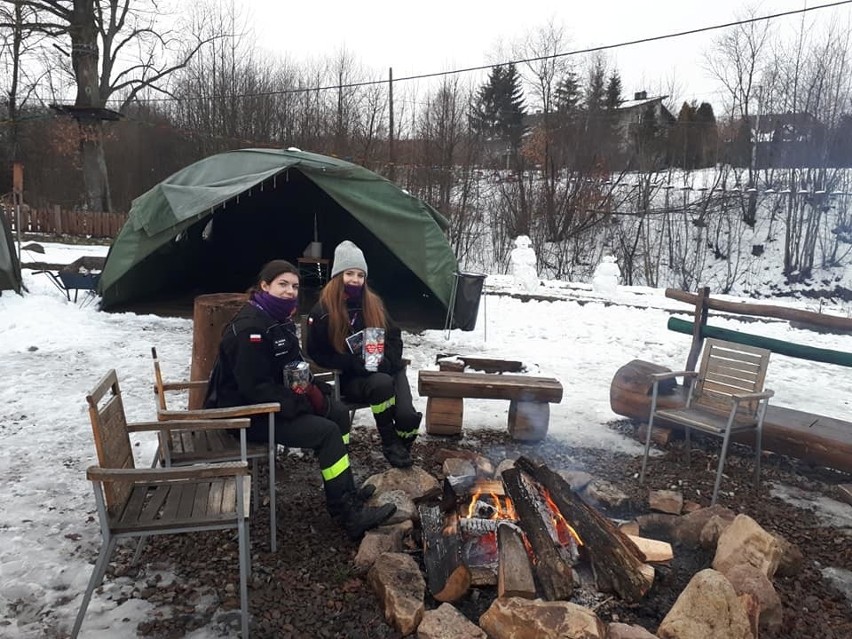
x=364 y=493
x=392 y=447
x=357 y=519
x=407 y=428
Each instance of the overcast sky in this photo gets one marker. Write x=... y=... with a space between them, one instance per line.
x=416 y=38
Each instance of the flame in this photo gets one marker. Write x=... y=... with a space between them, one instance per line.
x=564 y=530
x=503 y=506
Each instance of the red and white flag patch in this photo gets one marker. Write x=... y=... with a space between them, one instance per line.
x=255 y=338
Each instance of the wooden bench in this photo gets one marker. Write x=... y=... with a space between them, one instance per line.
x=529 y=400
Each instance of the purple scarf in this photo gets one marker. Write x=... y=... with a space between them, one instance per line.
x=353 y=292
x=278 y=308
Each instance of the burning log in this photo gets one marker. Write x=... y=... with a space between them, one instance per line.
x=457 y=490
x=552 y=564
x=613 y=555
x=514 y=576
x=447 y=576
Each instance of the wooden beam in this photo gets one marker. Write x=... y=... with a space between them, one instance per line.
x=552 y=566
x=615 y=557
x=822 y=320
x=487 y=386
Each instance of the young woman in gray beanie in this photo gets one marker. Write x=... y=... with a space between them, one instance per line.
x=346 y=306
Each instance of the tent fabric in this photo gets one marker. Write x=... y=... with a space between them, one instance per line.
x=210 y=226
x=10 y=266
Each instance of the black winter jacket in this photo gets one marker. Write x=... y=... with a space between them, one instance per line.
x=321 y=350
x=249 y=369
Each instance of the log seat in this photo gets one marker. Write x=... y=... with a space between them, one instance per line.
x=529 y=400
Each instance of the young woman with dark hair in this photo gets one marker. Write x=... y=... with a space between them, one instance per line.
x=346 y=306
x=257 y=356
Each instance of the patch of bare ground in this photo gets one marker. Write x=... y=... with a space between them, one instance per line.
x=310 y=588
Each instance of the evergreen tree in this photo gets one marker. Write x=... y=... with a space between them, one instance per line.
x=708 y=133
x=596 y=93
x=568 y=94
x=499 y=108
x=613 y=97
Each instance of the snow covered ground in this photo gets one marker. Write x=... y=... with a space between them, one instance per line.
x=52 y=352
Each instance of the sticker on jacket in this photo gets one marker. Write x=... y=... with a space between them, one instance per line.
x=255 y=338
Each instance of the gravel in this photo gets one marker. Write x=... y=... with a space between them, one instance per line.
x=310 y=588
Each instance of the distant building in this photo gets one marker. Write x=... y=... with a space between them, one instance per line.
x=632 y=116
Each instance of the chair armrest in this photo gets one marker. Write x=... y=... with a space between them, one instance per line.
x=172 y=386
x=741 y=397
x=658 y=377
x=220 y=413
x=188 y=424
x=180 y=473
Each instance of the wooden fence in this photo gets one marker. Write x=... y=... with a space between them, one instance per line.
x=57 y=221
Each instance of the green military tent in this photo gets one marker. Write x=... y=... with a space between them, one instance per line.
x=10 y=267
x=212 y=225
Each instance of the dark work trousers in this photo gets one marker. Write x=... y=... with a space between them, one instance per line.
x=377 y=389
x=326 y=438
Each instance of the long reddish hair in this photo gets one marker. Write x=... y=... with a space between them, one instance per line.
x=333 y=301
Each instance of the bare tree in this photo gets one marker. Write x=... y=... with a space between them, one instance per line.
x=100 y=32
x=737 y=59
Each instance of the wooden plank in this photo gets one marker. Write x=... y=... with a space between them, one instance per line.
x=652 y=549
x=484 y=364
x=514 y=574
x=767 y=310
x=486 y=386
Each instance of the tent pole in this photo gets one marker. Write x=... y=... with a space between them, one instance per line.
x=448 y=323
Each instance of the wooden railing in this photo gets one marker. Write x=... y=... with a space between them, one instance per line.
x=58 y=221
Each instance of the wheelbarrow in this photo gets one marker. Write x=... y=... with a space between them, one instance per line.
x=82 y=274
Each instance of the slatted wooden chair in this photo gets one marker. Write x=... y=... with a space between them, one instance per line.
x=726 y=396
x=136 y=502
x=178 y=447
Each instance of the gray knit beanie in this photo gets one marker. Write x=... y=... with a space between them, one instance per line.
x=347 y=256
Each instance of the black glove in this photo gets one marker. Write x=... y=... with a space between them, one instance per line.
x=385 y=366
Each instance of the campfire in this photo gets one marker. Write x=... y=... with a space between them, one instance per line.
x=530 y=535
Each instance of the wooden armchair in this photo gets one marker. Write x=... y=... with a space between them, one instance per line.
x=134 y=502
x=726 y=396
x=178 y=447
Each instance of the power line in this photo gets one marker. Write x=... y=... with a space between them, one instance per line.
x=484 y=67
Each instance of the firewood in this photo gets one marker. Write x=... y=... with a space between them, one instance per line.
x=552 y=564
x=613 y=554
x=514 y=576
x=447 y=577
x=652 y=549
x=659 y=435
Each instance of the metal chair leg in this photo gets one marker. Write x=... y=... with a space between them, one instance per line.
x=94 y=581
x=687 y=432
x=243 y=540
x=758 y=443
x=648 y=434
x=273 y=532
x=723 y=455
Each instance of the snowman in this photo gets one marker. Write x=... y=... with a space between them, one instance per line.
x=605 y=279
x=522 y=262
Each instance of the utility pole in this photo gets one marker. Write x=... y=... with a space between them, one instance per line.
x=391 y=160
